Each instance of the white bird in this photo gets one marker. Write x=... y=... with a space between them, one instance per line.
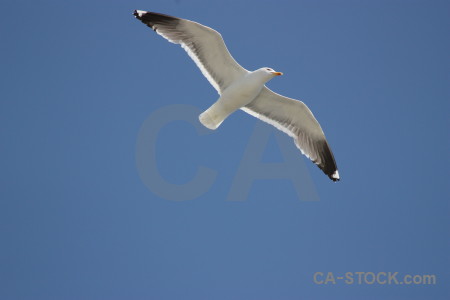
x=241 y=89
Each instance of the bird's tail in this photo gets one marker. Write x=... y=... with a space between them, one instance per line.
x=212 y=117
x=208 y=121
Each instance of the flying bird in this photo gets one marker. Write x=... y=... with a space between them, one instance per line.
x=242 y=89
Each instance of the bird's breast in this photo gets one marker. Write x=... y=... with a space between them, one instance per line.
x=242 y=92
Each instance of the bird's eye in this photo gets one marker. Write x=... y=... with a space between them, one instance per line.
x=268 y=69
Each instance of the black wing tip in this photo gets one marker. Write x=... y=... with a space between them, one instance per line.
x=335 y=176
x=138 y=13
x=328 y=164
x=152 y=17
x=330 y=171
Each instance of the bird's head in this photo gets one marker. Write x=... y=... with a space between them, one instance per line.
x=270 y=72
x=264 y=74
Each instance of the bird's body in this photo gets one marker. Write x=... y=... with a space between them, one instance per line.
x=238 y=94
x=242 y=89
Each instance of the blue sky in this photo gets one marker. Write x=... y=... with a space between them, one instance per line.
x=79 y=80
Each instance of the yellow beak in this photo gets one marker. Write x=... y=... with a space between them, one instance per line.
x=277 y=73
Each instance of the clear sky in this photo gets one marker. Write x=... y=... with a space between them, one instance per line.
x=86 y=91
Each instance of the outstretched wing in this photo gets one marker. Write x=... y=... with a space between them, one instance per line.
x=294 y=118
x=203 y=44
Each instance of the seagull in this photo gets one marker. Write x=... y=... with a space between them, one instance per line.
x=239 y=88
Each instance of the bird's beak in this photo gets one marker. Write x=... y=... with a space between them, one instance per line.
x=277 y=73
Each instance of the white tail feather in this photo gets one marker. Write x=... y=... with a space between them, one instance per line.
x=213 y=116
x=207 y=121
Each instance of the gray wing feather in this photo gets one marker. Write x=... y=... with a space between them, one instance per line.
x=295 y=119
x=203 y=44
